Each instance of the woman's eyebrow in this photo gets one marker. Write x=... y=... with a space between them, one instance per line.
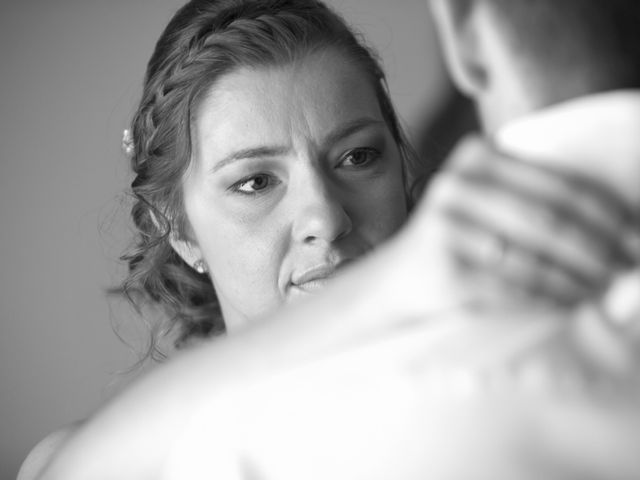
x=351 y=127
x=251 y=152
x=334 y=136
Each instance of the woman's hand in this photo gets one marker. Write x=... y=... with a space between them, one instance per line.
x=513 y=230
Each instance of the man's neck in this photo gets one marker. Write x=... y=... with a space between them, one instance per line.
x=593 y=136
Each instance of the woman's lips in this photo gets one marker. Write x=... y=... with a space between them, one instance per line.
x=314 y=279
x=312 y=286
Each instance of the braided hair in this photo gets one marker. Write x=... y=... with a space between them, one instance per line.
x=205 y=40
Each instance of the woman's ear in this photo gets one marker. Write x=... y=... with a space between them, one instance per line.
x=458 y=29
x=188 y=251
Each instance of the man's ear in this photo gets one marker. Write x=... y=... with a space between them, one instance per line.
x=457 y=25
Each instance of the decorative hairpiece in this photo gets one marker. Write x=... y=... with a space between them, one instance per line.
x=128 y=146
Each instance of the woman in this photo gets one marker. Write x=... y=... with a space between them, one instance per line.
x=260 y=185
x=253 y=189
x=267 y=158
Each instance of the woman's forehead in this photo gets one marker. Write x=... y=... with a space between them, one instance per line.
x=313 y=95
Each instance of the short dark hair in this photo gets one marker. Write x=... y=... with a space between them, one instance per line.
x=205 y=40
x=596 y=38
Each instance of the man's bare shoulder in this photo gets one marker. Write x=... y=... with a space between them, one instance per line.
x=44 y=450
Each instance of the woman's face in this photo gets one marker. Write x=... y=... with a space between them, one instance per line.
x=295 y=174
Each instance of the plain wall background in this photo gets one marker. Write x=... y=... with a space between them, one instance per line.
x=71 y=73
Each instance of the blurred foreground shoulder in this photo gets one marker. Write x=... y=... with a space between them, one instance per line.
x=44 y=450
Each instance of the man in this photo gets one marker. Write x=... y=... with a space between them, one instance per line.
x=437 y=397
x=582 y=58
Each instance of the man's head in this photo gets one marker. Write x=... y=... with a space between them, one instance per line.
x=515 y=56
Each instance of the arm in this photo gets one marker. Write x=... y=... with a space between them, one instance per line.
x=40 y=456
x=418 y=275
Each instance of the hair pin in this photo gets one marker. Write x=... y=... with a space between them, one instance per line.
x=128 y=146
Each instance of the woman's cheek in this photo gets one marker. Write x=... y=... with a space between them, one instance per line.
x=391 y=204
x=250 y=209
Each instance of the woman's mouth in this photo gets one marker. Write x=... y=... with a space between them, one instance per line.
x=313 y=279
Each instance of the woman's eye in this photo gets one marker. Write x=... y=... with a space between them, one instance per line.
x=359 y=157
x=253 y=184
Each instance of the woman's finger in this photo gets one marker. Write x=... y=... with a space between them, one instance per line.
x=567 y=200
x=507 y=272
x=525 y=225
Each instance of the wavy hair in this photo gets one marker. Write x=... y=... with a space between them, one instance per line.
x=205 y=40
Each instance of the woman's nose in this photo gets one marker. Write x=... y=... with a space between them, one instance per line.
x=320 y=213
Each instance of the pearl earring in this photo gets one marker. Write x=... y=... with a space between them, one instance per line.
x=199 y=266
